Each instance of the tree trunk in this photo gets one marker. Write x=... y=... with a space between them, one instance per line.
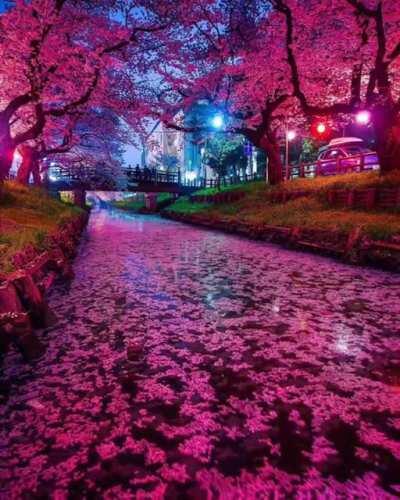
x=7 y=151
x=275 y=166
x=6 y=161
x=24 y=170
x=386 y=123
x=29 y=165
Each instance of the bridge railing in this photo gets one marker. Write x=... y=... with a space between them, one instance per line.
x=357 y=163
x=175 y=177
x=91 y=178
x=228 y=180
x=153 y=176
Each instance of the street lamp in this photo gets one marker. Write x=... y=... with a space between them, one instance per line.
x=218 y=121
x=321 y=128
x=290 y=136
x=363 y=117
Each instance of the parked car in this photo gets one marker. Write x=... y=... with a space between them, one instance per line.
x=346 y=154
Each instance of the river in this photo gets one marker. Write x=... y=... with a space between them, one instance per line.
x=187 y=363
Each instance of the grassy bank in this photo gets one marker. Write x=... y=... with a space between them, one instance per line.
x=27 y=216
x=306 y=212
x=132 y=204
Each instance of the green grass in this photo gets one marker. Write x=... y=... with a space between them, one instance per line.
x=131 y=204
x=248 y=187
x=307 y=212
x=27 y=216
x=355 y=181
x=134 y=205
x=346 y=181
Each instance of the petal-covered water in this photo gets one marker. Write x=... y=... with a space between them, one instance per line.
x=192 y=364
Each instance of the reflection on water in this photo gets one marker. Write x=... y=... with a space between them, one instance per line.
x=192 y=364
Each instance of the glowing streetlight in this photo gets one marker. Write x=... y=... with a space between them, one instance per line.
x=363 y=117
x=290 y=136
x=218 y=121
x=321 y=128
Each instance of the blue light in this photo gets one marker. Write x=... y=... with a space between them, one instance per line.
x=218 y=121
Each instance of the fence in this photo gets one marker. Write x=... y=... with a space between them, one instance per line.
x=375 y=198
x=366 y=199
x=148 y=176
x=357 y=163
x=175 y=177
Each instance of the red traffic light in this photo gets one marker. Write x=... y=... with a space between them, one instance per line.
x=320 y=130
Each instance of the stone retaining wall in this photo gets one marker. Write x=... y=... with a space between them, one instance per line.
x=353 y=247
x=23 y=304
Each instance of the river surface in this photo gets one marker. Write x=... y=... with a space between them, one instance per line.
x=191 y=364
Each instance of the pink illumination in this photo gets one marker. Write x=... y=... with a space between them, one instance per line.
x=203 y=365
x=363 y=117
x=17 y=156
x=291 y=135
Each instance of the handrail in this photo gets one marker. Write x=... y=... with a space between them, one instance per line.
x=354 y=163
x=152 y=176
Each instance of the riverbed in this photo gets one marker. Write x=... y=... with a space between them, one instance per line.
x=188 y=363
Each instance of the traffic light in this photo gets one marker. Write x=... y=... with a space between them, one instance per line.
x=320 y=130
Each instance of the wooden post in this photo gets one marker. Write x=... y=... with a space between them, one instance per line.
x=352 y=240
x=331 y=196
x=151 y=201
x=350 y=198
x=397 y=203
x=362 y=162
x=79 y=198
x=370 y=198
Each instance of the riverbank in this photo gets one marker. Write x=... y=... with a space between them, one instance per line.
x=27 y=217
x=325 y=215
x=38 y=238
x=138 y=204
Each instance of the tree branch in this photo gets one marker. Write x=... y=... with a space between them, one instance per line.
x=341 y=107
x=35 y=130
x=15 y=104
x=68 y=108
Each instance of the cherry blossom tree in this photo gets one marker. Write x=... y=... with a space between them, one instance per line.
x=267 y=63
x=225 y=60
x=83 y=141
x=62 y=57
x=344 y=56
x=97 y=143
